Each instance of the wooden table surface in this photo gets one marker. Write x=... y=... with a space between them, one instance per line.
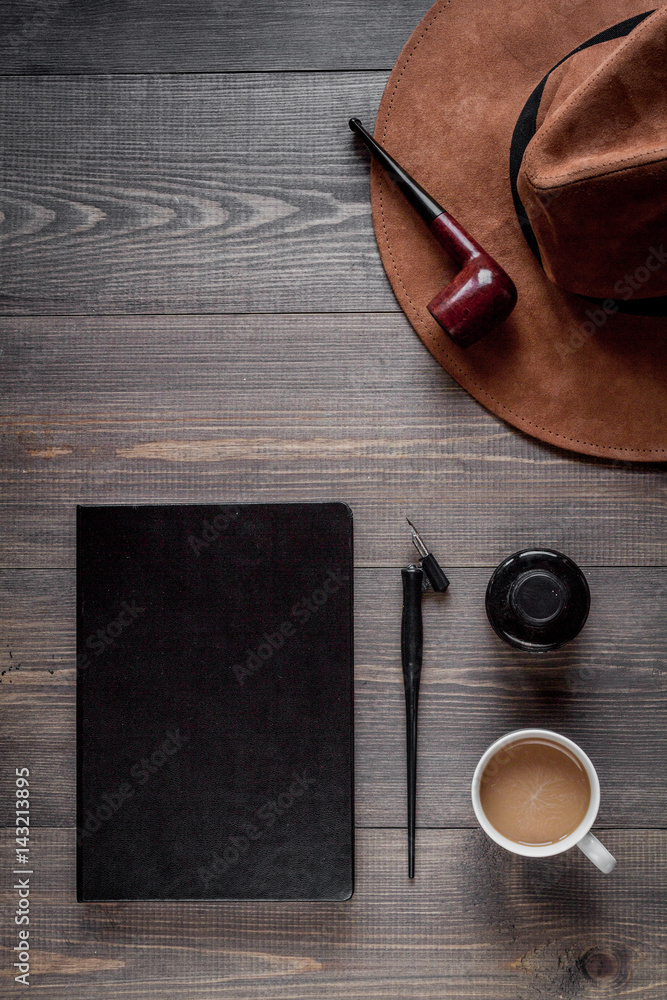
x=193 y=309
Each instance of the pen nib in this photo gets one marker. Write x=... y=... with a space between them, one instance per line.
x=417 y=539
x=434 y=576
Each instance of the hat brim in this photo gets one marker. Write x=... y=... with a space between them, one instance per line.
x=561 y=368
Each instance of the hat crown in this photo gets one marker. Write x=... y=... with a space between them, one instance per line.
x=593 y=179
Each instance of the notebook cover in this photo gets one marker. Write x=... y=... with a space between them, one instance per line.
x=214 y=702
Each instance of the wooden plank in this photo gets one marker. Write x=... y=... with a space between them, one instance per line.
x=476 y=923
x=60 y=36
x=607 y=690
x=219 y=193
x=232 y=409
x=462 y=533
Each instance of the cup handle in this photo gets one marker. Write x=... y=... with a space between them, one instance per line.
x=597 y=853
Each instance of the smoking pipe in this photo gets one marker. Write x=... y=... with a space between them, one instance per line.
x=481 y=295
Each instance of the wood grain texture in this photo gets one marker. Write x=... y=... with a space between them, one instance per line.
x=200 y=36
x=215 y=409
x=221 y=193
x=243 y=195
x=607 y=690
x=477 y=924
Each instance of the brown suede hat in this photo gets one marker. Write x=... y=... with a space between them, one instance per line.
x=542 y=127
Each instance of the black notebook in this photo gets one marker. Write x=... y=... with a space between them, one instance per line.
x=214 y=702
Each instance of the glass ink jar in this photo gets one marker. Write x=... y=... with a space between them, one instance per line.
x=537 y=600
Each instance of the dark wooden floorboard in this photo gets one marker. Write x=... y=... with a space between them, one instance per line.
x=237 y=193
x=195 y=36
x=462 y=532
x=607 y=690
x=146 y=409
x=476 y=924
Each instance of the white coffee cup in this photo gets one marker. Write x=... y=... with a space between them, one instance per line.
x=581 y=837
